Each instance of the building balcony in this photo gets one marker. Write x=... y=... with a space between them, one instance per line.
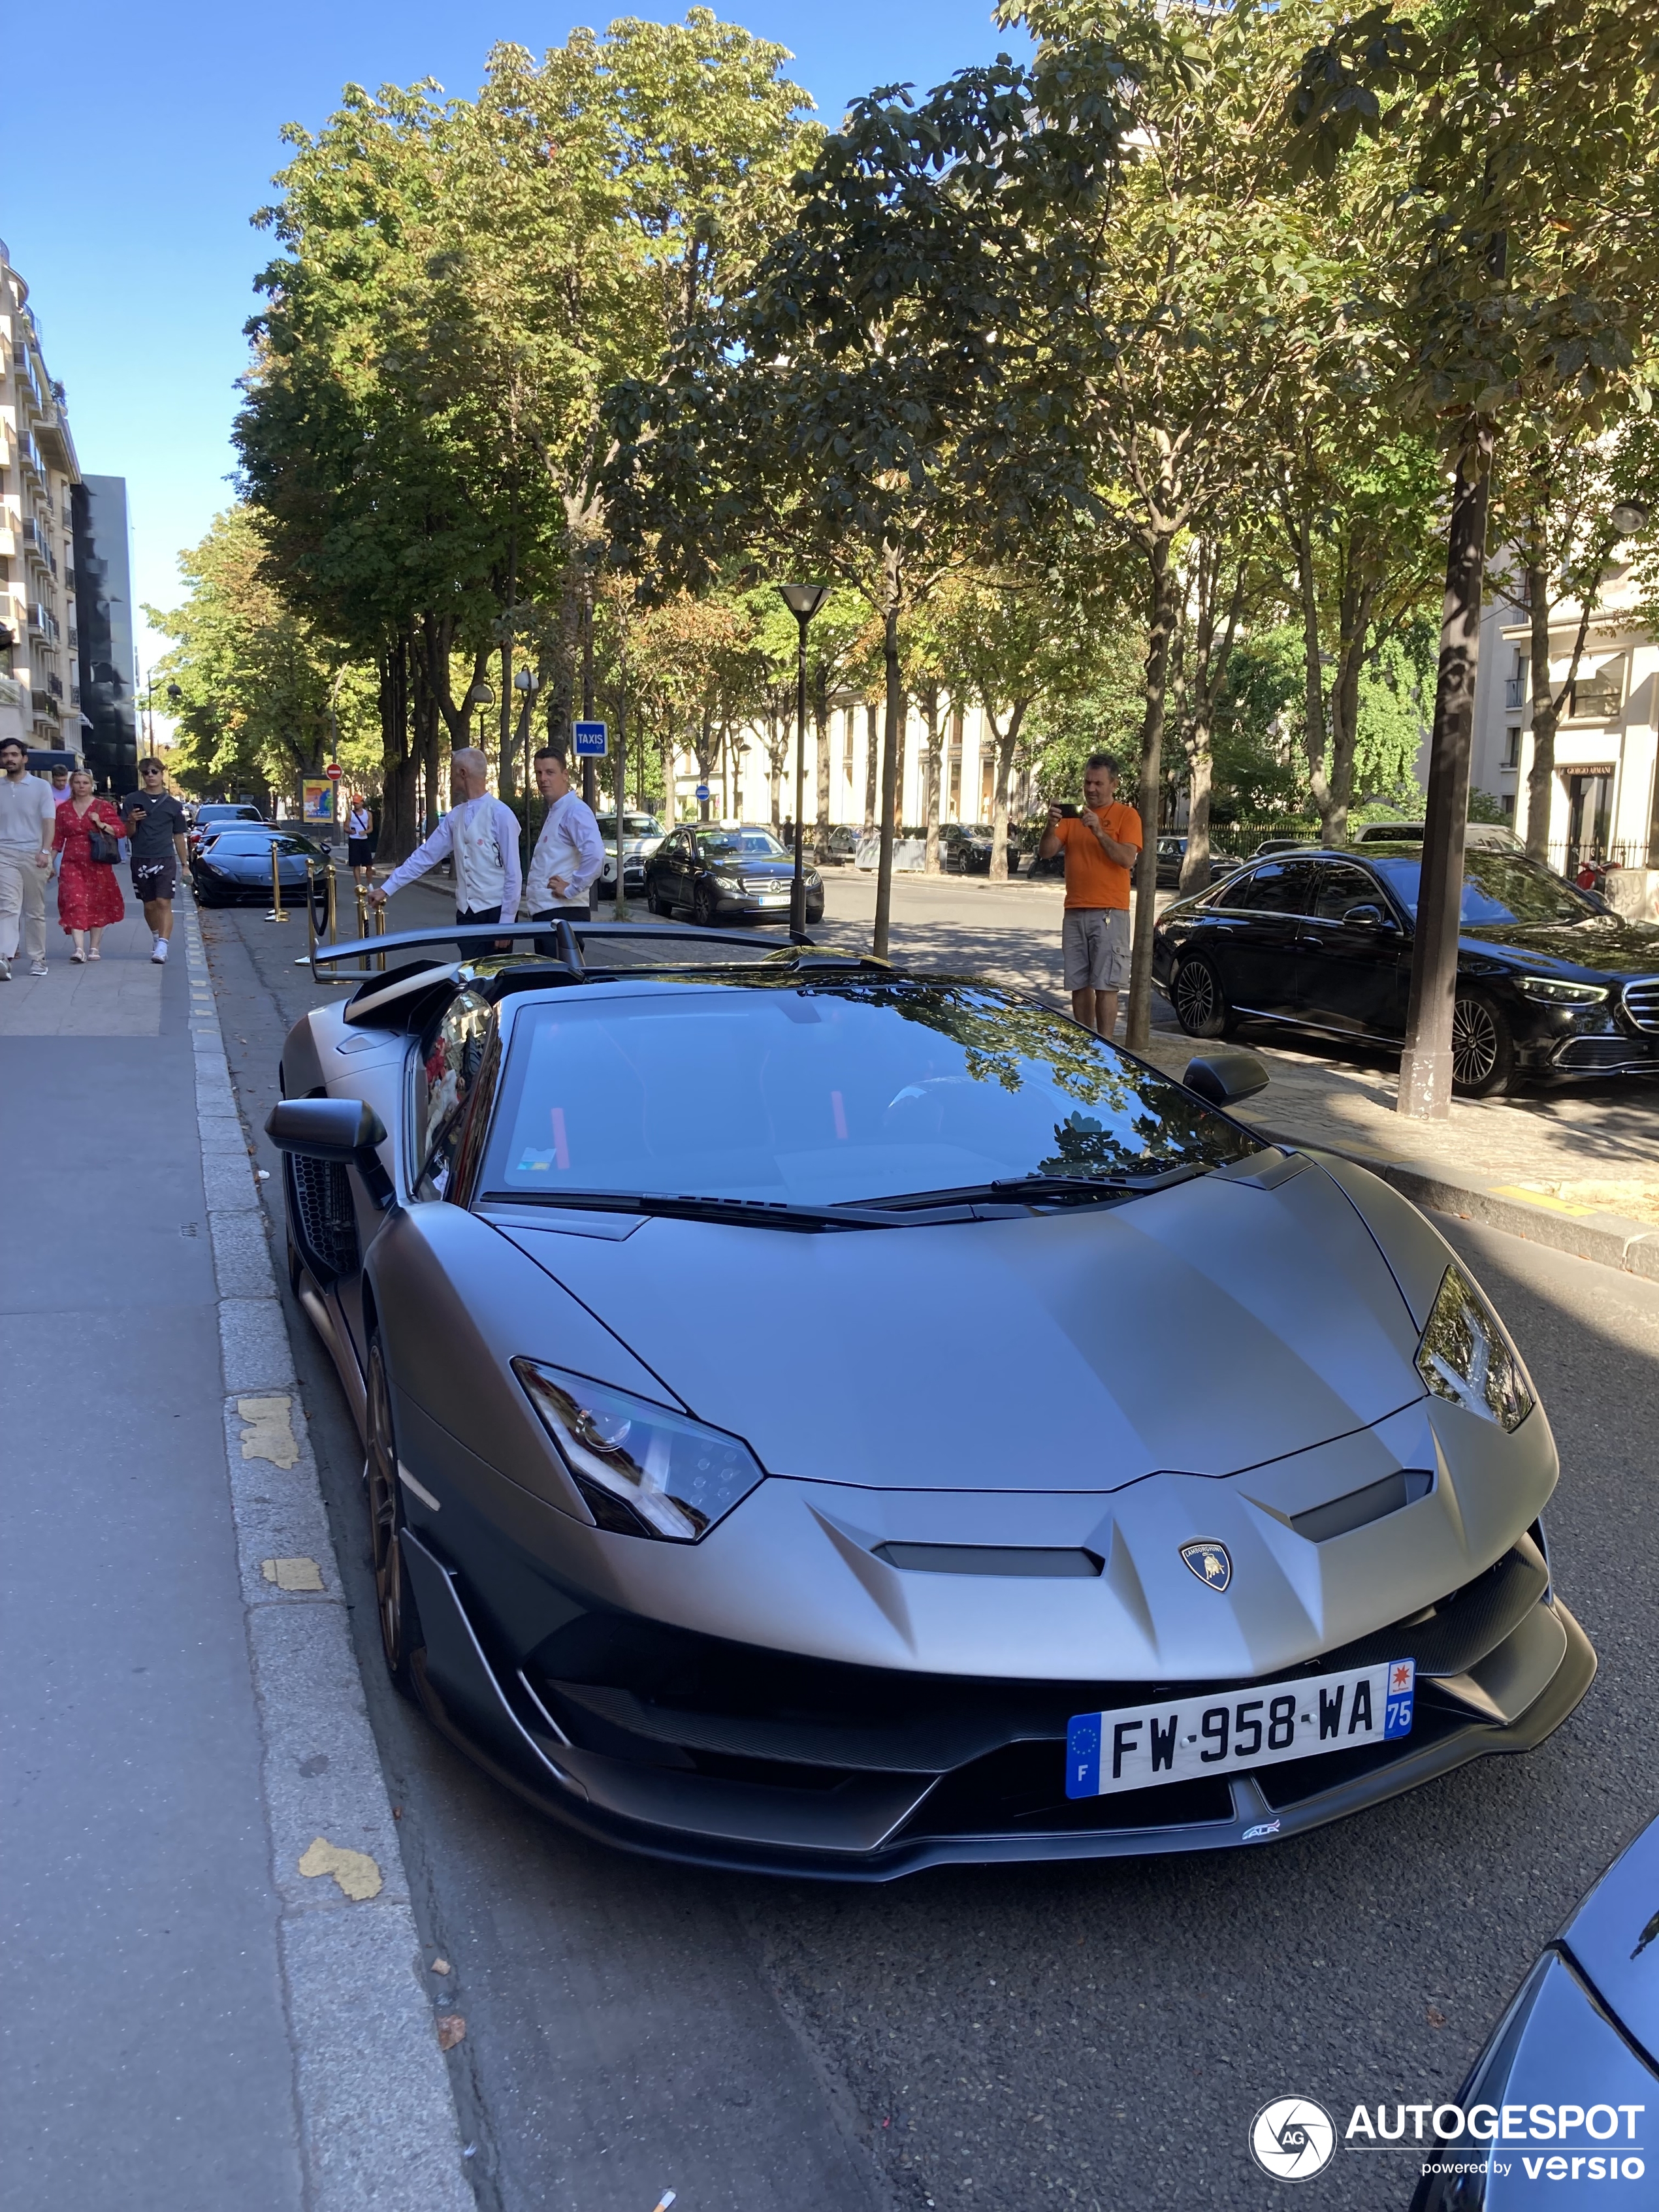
x=55 y=685
x=44 y=703
x=43 y=621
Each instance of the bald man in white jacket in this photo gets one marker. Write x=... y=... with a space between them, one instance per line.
x=481 y=836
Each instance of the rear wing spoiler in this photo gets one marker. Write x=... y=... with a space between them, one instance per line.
x=559 y=942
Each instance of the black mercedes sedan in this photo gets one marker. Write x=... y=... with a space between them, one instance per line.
x=1549 y=982
x=715 y=873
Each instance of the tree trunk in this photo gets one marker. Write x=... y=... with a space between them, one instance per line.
x=1160 y=628
x=821 y=726
x=1355 y=624
x=1196 y=860
x=935 y=741
x=1007 y=744
x=397 y=763
x=707 y=752
x=893 y=738
x=1540 y=776
x=871 y=757
x=590 y=767
x=670 y=797
x=1425 y=1067
x=1314 y=733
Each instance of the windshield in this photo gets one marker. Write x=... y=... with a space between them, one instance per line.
x=634 y=825
x=1499 y=890
x=822 y=1095
x=739 y=844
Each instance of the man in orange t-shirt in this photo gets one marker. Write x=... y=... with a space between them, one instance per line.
x=1102 y=843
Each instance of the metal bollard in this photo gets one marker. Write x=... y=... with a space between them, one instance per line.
x=277 y=913
x=362 y=911
x=379 y=931
x=333 y=906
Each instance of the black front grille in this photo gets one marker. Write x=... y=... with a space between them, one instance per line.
x=1605 y=1053
x=325 y=1221
x=1642 y=1003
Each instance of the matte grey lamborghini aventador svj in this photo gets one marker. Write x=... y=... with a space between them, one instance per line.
x=825 y=1417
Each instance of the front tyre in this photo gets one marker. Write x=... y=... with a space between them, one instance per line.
x=1200 y=1002
x=394 y=1600
x=703 y=907
x=1483 y=1050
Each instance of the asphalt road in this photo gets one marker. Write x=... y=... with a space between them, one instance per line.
x=1094 y=2037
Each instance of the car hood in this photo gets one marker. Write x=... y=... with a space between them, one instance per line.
x=1204 y=1328
x=1614 y=1936
x=1605 y=944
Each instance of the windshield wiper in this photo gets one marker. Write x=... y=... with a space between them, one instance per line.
x=688 y=1205
x=1033 y=1189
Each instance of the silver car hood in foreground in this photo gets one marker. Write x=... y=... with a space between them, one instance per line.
x=1204 y=1329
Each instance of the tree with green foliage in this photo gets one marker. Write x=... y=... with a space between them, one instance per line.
x=1509 y=243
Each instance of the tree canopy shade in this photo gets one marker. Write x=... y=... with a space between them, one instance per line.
x=849 y=419
x=459 y=282
x=1512 y=245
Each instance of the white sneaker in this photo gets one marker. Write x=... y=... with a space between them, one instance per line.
x=37 y=967
x=160 y=951
x=5 y=971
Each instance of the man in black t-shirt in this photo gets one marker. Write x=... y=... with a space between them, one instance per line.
x=155 y=825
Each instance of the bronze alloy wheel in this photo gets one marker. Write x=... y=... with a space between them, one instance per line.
x=1483 y=1052
x=400 y=1632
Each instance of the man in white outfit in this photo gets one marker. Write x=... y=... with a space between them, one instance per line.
x=27 y=821
x=481 y=836
x=569 y=853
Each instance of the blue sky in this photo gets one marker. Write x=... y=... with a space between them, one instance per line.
x=131 y=225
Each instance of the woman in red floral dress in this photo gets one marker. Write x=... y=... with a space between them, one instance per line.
x=89 y=894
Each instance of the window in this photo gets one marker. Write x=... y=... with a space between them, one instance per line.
x=1512 y=745
x=1276 y=887
x=449 y=1067
x=1341 y=887
x=826 y=1095
x=1597 y=696
x=1500 y=889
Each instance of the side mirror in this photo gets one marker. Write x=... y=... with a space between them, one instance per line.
x=1223 y=1078
x=340 y=1129
x=1366 y=917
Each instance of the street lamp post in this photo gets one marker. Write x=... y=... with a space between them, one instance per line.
x=483 y=696
x=803 y=601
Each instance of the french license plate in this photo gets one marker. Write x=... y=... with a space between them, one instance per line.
x=1185 y=1738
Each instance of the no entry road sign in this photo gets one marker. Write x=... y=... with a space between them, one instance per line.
x=334 y=771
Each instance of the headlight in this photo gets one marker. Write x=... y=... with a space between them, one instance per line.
x=812 y=879
x=642 y=1470
x=729 y=883
x=1559 y=994
x=1465 y=1356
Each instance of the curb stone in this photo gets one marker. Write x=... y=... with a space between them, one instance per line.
x=377 y=2118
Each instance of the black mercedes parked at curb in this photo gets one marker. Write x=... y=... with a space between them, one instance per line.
x=612 y=1251
x=1549 y=983
x=715 y=873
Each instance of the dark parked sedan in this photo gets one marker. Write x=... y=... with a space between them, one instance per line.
x=713 y=873
x=1549 y=983
x=235 y=866
x=1172 y=859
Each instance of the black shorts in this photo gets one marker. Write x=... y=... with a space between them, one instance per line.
x=358 y=850
x=155 y=879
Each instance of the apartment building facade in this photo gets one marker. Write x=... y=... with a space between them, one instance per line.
x=1604 y=803
x=66 y=660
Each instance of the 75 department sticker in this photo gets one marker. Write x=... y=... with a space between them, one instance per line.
x=1292 y=2138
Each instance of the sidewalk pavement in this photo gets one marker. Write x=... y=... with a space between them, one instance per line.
x=212 y=1954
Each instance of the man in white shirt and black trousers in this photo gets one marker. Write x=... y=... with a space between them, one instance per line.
x=570 y=852
x=480 y=834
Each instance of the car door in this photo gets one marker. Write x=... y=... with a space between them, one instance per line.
x=677 y=878
x=1257 y=948
x=1354 y=975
